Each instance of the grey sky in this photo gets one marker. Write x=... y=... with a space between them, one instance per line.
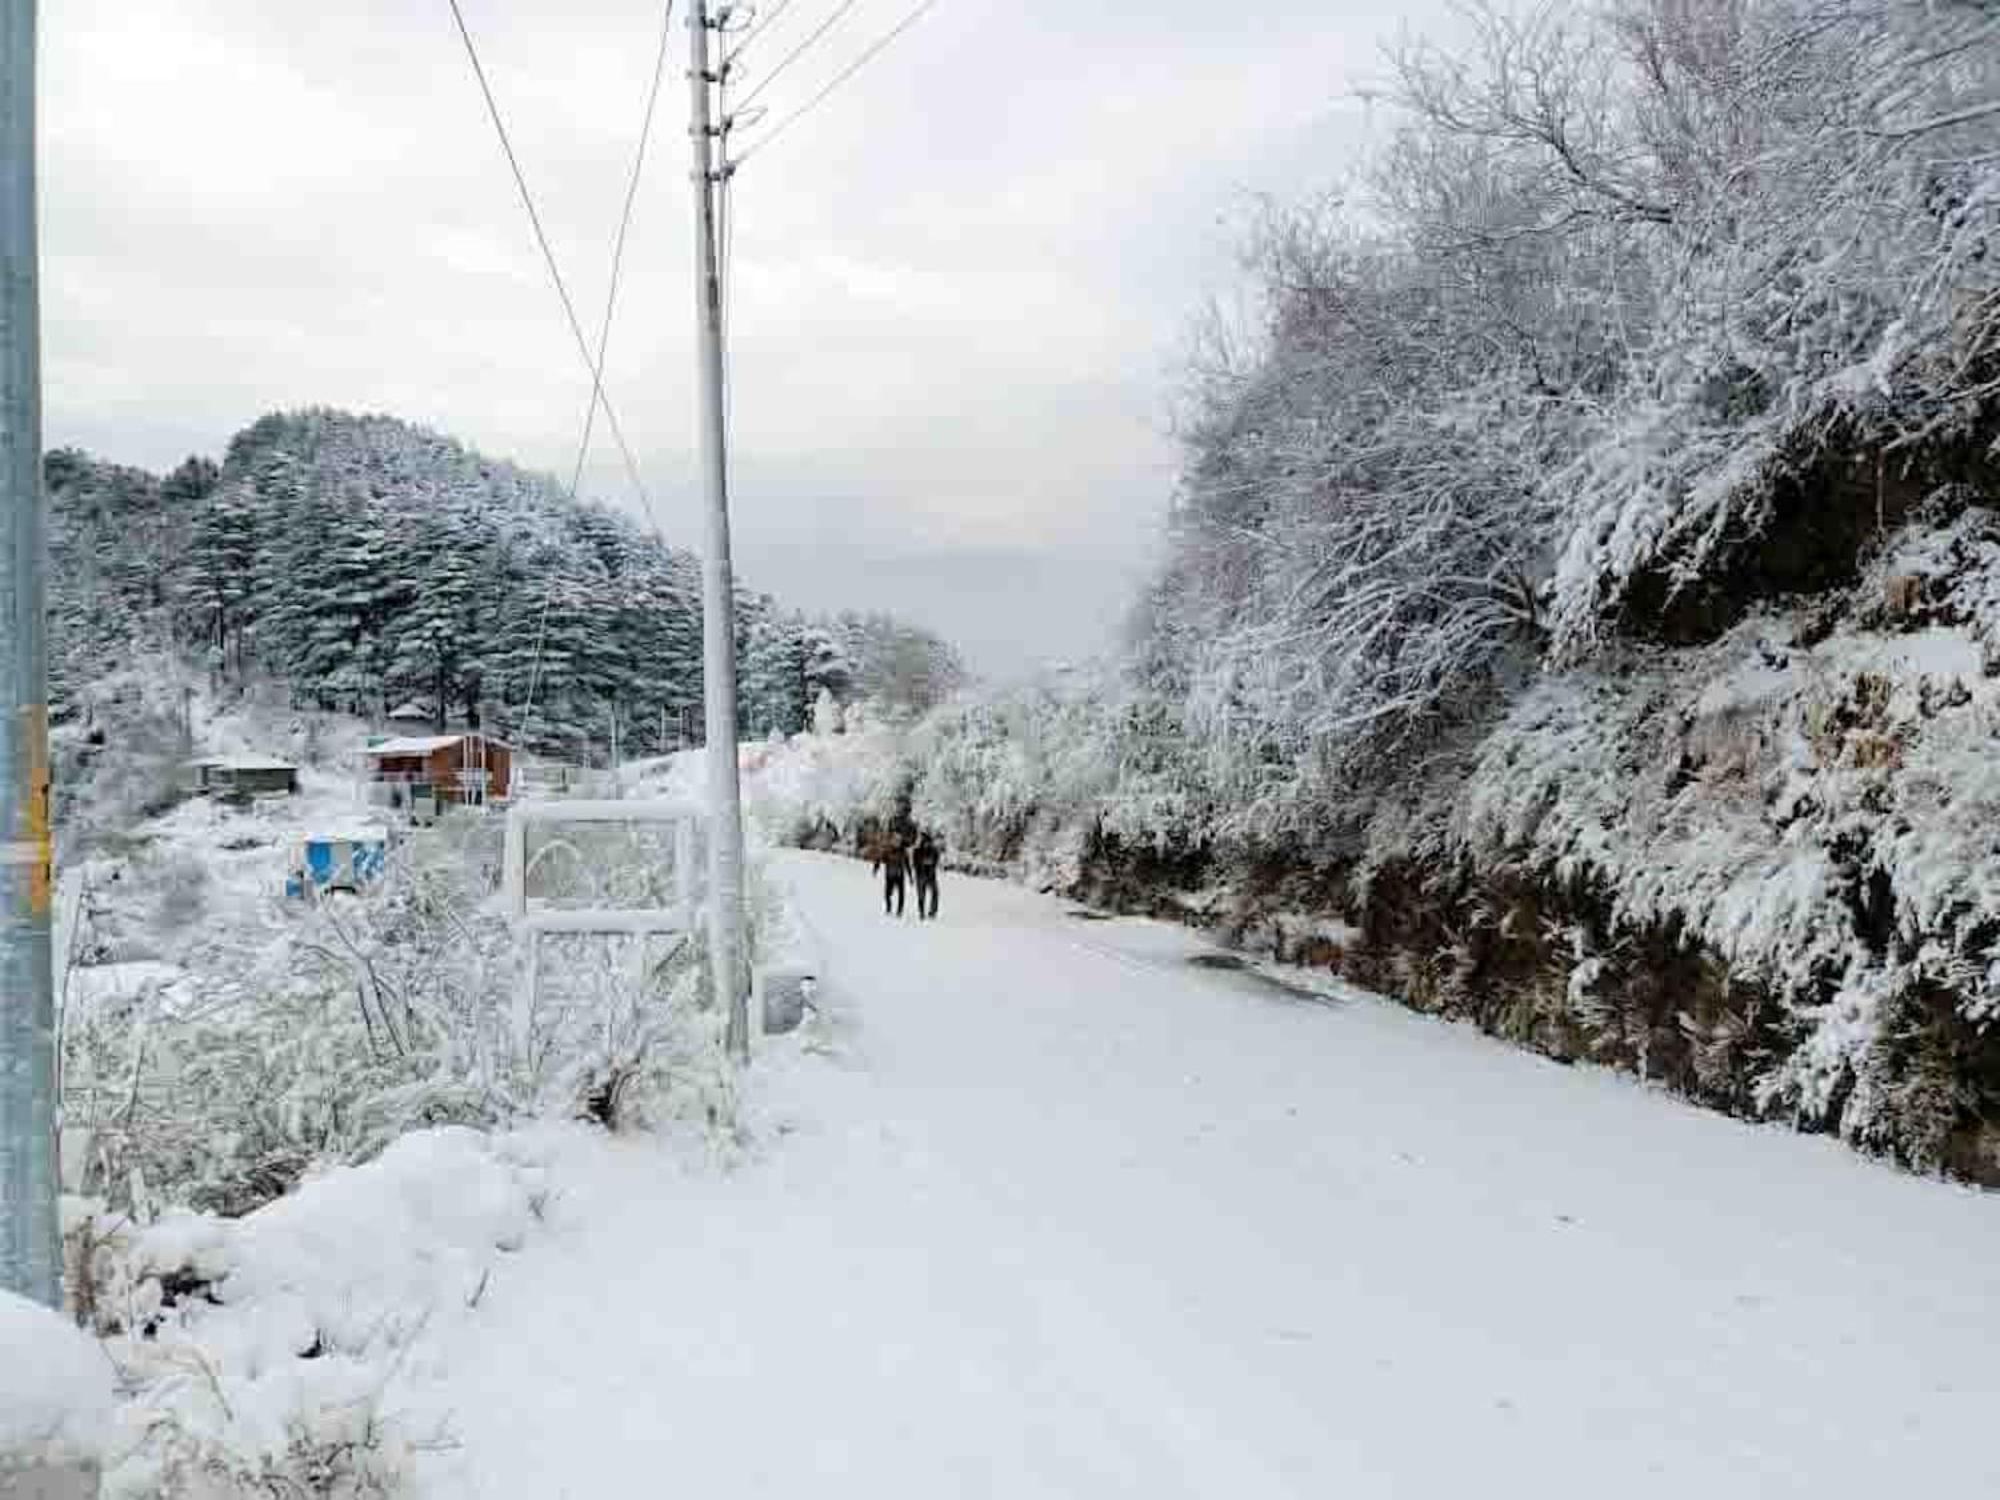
x=960 y=287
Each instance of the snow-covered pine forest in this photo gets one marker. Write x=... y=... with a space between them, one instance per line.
x=1582 y=609
x=363 y=564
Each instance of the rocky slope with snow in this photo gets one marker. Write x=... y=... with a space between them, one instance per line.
x=1760 y=869
x=1578 y=605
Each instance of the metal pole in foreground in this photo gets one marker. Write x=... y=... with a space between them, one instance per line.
x=725 y=806
x=30 y=1259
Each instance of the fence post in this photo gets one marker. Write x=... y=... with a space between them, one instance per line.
x=684 y=867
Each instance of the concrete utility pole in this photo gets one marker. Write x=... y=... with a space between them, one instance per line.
x=30 y=1258
x=725 y=804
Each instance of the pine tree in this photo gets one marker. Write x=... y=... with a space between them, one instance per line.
x=217 y=578
x=366 y=563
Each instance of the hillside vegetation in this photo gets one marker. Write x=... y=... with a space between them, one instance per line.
x=361 y=564
x=1582 y=611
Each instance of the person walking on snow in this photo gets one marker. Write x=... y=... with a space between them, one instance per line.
x=892 y=858
x=924 y=865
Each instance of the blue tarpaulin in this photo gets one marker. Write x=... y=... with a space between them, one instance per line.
x=343 y=864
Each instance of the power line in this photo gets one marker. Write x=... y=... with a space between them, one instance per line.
x=526 y=716
x=799 y=51
x=548 y=256
x=757 y=27
x=618 y=257
x=785 y=122
x=520 y=729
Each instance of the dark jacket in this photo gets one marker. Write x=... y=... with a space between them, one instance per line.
x=891 y=854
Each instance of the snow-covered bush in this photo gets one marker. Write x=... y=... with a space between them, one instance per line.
x=118 y=753
x=1811 y=799
x=256 y=1353
x=220 y=1041
x=1824 y=278
x=278 y=1034
x=821 y=789
x=1645 y=312
x=1023 y=781
x=1032 y=778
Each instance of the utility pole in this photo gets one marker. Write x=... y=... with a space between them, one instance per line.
x=725 y=801
x=30 y=1261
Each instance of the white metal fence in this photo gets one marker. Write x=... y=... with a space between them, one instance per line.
x=535 y=919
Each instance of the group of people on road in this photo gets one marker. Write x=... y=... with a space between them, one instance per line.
x=900 y=859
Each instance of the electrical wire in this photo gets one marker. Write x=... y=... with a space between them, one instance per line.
x=597 y=392
x=548 y=256
x=785 y=122
x=757 y=27
x=534 y=669
x=618 y=255
x=799 y=51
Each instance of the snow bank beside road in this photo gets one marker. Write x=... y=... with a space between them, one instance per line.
x=55 y=1388
x=257 y=1350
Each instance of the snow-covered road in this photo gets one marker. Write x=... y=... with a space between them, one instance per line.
x=1069 y=1216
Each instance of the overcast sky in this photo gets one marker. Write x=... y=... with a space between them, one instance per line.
x=961 y=286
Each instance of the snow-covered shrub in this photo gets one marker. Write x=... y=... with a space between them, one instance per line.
x=283 y=1034
x=1645 y=313
x=654 y=1051
x=1031 y=777
x=1791 y=320
x=1031 y=781
x=292 y=1034
x=627 y=1038
x=826 y=715
x=118 y=754
x=1811 y=800
x=256 y=1352
x=330 y=1439
x=820 y=790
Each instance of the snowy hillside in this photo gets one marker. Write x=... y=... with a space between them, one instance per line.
x=291 y=1126
x=366 y=564
x=1761 y=871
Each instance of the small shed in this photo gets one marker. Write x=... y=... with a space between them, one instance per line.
x=242 y=776
x=412 y=716
x=468 y=768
